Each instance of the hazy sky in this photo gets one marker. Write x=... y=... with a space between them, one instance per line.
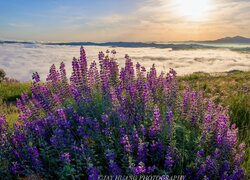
x=123 y=20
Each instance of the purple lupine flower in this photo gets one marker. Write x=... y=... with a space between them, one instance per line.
x=33 y=152
x=225 y=167
x=3 y=123
x=18 y=138
x=221 y=129
x=42 y=94
x=207 y=123
x=224 y=176
x=142 y=151
x=140 y=169
x=76 y=93
x=105 y=74
x=4 y=138
x=139 y=85
x=211 y=166
x=216 y=153
x=156 y=124
x=135 y=139
x=238 y=173
x=138 y=69
x=114 y=71
x=57 y=136
x=34 y=156
x=156 y=146
x=125 y=142
x=232 y=136
x=199 y=156
x=201 y=171
x=16 y=168
x=169 y=117
x=113 y=167
x=76 y=75
x=171 y=125
x=93 y=76
x=25 y=110
x=105 y=118
x=168 y=159
x=56 y=99
x=61 y=114
x=143 y=130
x=242 y=146
x=156 y=149
x=152 y=77
x=65 y=157
x=63 y=72
x=93 y=173
x=129 y=70
x=122 y=131
x=194 y=107
x=132 y=91
x=151 y=169
x=54 y=75
x=83 y=65
x=185 y=100
x=210 y=106
x=239 y=158
x=114 y=99
x=36 y=77
x=16 y=154
x=122 y=77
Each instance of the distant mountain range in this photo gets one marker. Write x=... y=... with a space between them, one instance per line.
x=172 y=45
x=169 y=45
x=235 y=39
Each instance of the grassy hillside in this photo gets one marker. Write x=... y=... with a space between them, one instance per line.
x=9 y=92
x=228 y=89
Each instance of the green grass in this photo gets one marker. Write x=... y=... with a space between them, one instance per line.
x=10 y=110
x=11 y=91
x=219 y=87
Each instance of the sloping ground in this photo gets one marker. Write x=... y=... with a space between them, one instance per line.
x=9 y=92
x=230 y=89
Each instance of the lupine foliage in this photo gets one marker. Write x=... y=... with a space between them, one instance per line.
x=111 y=121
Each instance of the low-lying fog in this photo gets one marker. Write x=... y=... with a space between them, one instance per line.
x=20 y=60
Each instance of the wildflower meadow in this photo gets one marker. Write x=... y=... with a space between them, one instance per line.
x=106 y=120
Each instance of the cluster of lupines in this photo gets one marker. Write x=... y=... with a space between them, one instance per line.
x=111 y=122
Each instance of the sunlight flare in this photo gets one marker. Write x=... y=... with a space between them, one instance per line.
x=193 y=9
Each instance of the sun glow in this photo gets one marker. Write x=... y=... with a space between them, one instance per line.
x=193 y=9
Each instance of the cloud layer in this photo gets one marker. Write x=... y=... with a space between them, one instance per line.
x=20 y=61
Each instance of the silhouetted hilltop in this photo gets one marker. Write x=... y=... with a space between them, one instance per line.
x=235 y=39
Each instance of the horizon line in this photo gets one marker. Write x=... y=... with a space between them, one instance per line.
x=178 y=41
